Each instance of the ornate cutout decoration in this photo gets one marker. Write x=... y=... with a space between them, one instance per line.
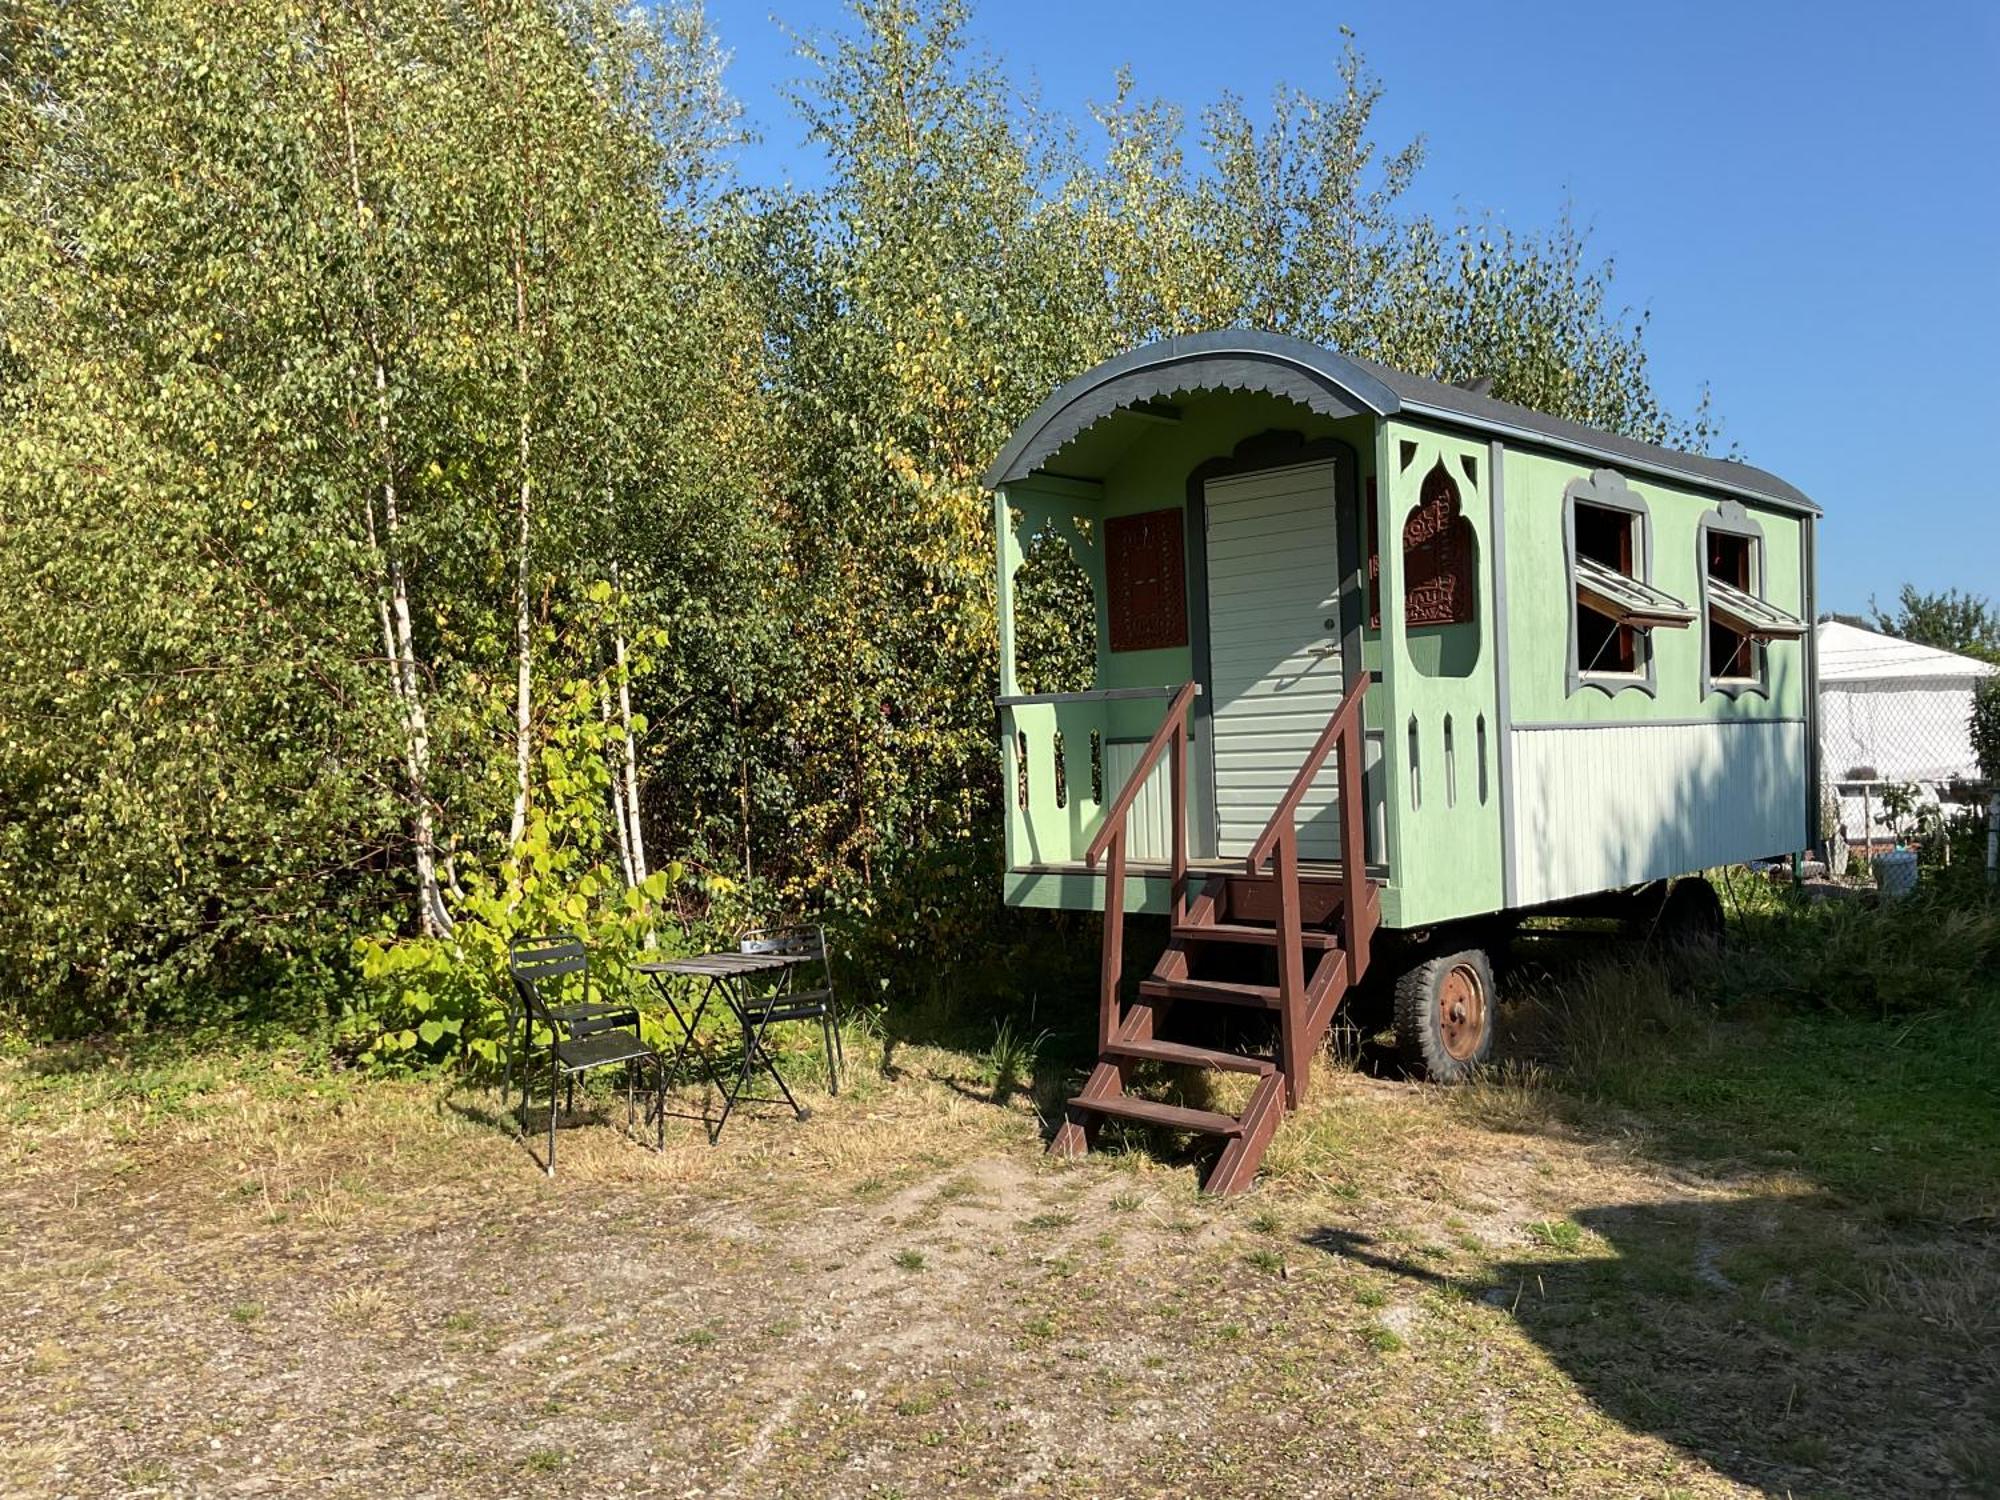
x=1145 y=574
x=1437 y=558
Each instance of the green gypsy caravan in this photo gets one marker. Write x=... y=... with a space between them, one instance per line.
x=1379 y=663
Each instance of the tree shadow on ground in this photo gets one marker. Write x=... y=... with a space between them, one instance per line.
x=1764 y=1337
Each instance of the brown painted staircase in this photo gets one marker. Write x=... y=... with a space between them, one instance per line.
x=1317 y=930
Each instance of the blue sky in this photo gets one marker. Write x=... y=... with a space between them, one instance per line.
x=1806 y=197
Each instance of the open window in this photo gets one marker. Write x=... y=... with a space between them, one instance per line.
x=1738 y=620
x=1055 y=608
x=1614 y=605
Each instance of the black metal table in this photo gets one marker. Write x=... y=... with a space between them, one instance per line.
x=731 y=976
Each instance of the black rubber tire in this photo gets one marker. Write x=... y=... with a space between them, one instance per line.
x=1420 y=1030
x=1690 y=921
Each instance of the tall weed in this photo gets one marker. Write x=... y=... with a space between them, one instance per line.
x=1928 y=952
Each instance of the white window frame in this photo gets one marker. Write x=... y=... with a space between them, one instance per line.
x=1732 y=519
x=1607 y=490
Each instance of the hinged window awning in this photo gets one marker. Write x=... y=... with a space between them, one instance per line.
x=1746 y=614
x=1627 y=601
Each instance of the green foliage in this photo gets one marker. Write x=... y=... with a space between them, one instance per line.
x=434 y=999
x=1009 y=1064
x=262 y=360
x=349 y=356
x=1055 y=618
x=1985 y=729
x=1933 y=951
x=1900 y=1118
x=1901 y=805
x=1949 y=620
x=448 y=997
x=1557 y=1234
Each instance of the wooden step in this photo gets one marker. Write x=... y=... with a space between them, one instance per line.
x=1258 y=996
x=1255 y=899
x=1236 y=1168
x=1233 y=932
x=1172 y=1116
x=1192 y=1057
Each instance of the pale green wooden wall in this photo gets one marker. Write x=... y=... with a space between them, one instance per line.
x=1539 y=603
x=1442 y=805
x=1614 y=790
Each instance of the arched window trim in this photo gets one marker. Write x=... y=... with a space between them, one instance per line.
x=1732 y=519
x=1607 y=488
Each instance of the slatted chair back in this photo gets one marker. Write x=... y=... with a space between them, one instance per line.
x=793 y=942
x=535 y=962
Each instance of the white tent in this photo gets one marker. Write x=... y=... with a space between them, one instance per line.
x=1891 y=711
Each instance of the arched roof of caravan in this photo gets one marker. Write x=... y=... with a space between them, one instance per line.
x=1339 y=385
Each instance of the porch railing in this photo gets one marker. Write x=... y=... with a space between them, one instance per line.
x=1170 y=738
x=1280 y=838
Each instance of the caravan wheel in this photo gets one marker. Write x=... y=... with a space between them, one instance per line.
x=1444 y=1015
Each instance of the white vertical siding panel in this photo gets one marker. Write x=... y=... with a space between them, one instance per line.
x=1274 y=667
x=1151 y=825
x=1615 y=805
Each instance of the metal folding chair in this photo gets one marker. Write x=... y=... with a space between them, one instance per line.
x=582 y=1035
x=792 y=1002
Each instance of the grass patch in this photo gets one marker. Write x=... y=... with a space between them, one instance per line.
x=1724 y=1067
x=1557 y=1234
x=1674 y=1190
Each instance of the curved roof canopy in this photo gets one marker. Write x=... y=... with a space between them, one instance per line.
x=1339 y=385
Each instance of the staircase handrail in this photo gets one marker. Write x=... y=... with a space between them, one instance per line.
x=1280 y=838
x=1173 y=731
x=1285 y=814
x=1173 y=728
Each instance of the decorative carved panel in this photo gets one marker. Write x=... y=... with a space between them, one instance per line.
x=1145 y=573
x=1437 y=558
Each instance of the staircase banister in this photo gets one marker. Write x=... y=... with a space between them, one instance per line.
x=1114 y=815
x=1288 y=805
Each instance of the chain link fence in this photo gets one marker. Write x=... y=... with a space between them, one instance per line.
x=1897 y=767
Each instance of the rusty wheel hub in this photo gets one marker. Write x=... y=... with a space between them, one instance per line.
x=1462 y=1012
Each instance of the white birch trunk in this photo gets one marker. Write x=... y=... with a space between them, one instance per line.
x=617 y=794
x=524 y=643
x=393 y=598
x=631 y=766
x=630 y=812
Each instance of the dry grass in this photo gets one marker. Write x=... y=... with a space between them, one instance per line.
x=239 y=1274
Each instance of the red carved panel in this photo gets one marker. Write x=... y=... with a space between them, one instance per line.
x=1145 y=573
x=1437 y=558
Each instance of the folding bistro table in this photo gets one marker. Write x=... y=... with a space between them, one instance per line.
x=733 y=977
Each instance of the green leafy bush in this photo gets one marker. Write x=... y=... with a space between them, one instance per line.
x=1986 y=728
x=447 y=999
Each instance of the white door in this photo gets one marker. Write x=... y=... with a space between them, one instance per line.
x=1273 y=650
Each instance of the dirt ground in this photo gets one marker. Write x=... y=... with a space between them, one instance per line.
x=225 y=1277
